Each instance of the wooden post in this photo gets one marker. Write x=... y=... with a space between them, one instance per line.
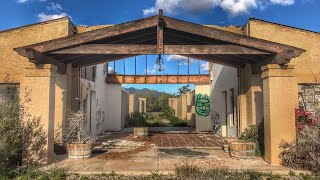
x=198 y=67
x=135 y=65
x=107 y=64
x=160 y=32
x=124 y=70
x=114 y=67
x=135 y=68
x=145 y=78
x=124 y=67
x=188 y=69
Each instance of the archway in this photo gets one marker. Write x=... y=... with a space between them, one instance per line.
x=164 y=35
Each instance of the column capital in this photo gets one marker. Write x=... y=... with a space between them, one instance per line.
x=44 y=70
x=275 y=70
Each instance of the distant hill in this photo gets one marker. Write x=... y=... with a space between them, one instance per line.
x=132 y=90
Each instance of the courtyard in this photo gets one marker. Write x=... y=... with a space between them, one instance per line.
x=161 y=152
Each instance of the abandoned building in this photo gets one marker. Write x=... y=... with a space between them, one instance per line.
x=254 y=76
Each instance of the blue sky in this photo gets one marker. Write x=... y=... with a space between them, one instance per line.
x=298 y=13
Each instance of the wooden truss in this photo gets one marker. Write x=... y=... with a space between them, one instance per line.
x=158 y=35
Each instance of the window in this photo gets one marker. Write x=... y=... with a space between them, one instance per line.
x=309 y=97
x=9 y=91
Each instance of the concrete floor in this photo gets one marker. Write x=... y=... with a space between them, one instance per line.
x=155 y=159
x=151 y=158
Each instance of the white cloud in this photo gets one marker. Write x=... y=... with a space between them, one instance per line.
x=152 y=70
x=47 y=17
x=232 y=7
x=183 y=59
x=283 y=2
x=54 y=7
x=205 y=66
x=25 y=1
x=238 y=7
x=176 y=57
x=173 y=6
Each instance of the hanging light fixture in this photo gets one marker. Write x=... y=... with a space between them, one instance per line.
x=160 y=63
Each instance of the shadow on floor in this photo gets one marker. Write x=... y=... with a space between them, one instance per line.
x=183 y=152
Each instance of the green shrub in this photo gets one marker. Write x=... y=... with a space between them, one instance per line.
x=138 y=119
x=11 y=133
x=305 y=152
x=255 y=134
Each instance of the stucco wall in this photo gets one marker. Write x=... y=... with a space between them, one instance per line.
x=307 y=65
x=224 y=79
x=13 y=65
x=133 y=103
x=124 y=108
x=112 y=107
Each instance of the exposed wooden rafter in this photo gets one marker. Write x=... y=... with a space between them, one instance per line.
x=166 y=49
x=91 y=35
x=229 y=37
x=159 y=35
x=39 y=58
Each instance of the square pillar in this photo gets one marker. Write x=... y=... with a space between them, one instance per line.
x=38 y=97
x=280 y=92
x=203 y=108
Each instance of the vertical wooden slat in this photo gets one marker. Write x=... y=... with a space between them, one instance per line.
x=188 y=68
x=199 y=67
x=135 y=65
x=107 y=64
x=124 y=67
x=160 y=32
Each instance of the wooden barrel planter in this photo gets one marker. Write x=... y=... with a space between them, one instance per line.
x=140 y=132
x=242 y=150
x=79 y=151
x=226 y=143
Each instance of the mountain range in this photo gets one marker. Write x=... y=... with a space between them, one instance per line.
x=132 y=90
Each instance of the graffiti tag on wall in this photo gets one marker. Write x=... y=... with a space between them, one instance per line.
x=203 y=105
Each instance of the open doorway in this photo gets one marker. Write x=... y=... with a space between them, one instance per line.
x=164 y=105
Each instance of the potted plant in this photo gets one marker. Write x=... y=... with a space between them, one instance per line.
x=140 y=126
x=79 y=142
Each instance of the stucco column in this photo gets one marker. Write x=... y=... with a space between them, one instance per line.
x=202 y=108
x=65 y=99
x=39 y=103
x=280 y=93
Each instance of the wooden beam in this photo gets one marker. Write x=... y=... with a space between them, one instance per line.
x=110 y=49
x=40 y=58
x=167 y=49
x=230 y=37
x=160 y=32
x=107 y=58
x=210 y=49
x=92 y=35
x=216 y=60
x=158 y=79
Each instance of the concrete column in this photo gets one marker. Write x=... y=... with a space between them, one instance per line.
x=203 y=108
x=39 y=101
x=280 y=92
x=184 y=107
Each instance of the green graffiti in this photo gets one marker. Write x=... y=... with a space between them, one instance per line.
x=203 y=105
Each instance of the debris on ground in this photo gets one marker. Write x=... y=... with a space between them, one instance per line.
x=124 y=155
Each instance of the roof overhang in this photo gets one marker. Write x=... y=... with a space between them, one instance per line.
x=158 y=35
